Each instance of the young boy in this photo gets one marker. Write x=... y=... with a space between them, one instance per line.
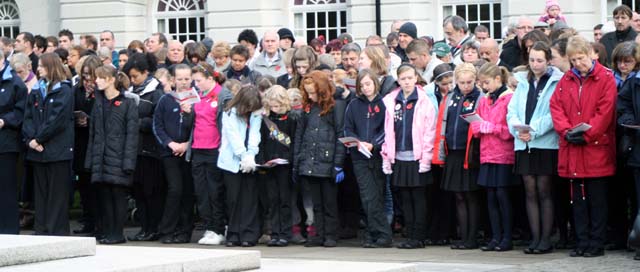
x=239 y=69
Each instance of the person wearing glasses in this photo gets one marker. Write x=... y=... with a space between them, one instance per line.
x=511 y=50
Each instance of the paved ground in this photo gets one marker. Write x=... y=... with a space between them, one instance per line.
x=438 y=258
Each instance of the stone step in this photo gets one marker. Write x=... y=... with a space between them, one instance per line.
x=23 y=249
x=295 y=265
x=144 y=259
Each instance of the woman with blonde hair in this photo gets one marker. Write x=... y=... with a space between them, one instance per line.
x=372 y=57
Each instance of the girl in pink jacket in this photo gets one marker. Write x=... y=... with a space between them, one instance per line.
x=409 y=128
x=496 y=153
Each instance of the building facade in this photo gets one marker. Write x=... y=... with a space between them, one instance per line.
x=223 y=19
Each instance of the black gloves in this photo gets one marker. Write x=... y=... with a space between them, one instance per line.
x=576 y=138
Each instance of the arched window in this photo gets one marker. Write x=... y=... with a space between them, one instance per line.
x=9 y=18
x=182 y=19
x=313 y=18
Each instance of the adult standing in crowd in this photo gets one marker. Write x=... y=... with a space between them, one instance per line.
x=176 y=53
x=156 y=42
x=65 y=39
x=12 y=106
x=286 y=38
x=24 y=44
x=48 y=131
x=407 y=33
x=456 y=30
x=624 y=31
x=270 y=61
x=511 y=51
x=419 y=55
x=490 y=51
x=108 y=40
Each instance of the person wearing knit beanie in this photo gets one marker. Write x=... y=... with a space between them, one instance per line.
x=286 y=38
x=406 y=34
x=552 y=13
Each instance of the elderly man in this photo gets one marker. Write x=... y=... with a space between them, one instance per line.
x=270 y=61
x=511 y=54
x=490 y=51
x=457 y=32
x=24 y=44
x=176 y=53
x=350 y=56
x=107 y=39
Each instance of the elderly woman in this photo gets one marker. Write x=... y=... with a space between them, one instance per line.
x=22 y=65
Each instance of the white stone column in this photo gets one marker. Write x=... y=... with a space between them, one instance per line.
x=39 y=16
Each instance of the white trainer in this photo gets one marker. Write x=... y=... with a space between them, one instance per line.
x=206 y=238
x=216 y=239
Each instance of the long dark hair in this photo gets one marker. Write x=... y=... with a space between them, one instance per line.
x=246 y=101
x=55 y=69
x=539 y=46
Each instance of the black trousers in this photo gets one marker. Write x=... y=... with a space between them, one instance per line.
x=279 y=191
x=9 y=222
x=88 y=196
x=149 y=191
x=371 y=182
x=349 y=209
x=414 y=208
x=590 y=212
x=441 y=222
x=52 y=187
x=325 y=206
x=178 y=207
x=619 y=194
x=242 y=202
x=112 y=209
x=209 y=188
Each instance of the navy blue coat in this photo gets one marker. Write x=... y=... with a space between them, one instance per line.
x=13 y=97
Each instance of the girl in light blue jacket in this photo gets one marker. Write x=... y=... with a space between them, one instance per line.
x=536 y=142
x=241 y=121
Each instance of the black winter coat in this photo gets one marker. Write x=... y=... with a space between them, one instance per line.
x=113 y=139
x=13 y=98
x=271 y=148
x=170 y=124
x=82 y=103
x=364 y=120
x=149 y=92
x=49 y=120
x=628 y=106
x=612 y=39
x=387 y=84
x=511 y=55
x=316 y=144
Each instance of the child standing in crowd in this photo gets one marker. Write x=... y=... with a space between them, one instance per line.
x=207 y=177
x=277 y=132
x=496 y=153
x=364 y=120
x=304 y=60
x=319 y=163
x=587 y=154
x=409 y=130
x=238 y=69
x=462 y=160
x=112 y=150
x=48 y=131
x=536 y=146
x=172 y=126
x=295 y=98
x=148 y=179
x=552 y=13
x=239 y=146
x=12 y=110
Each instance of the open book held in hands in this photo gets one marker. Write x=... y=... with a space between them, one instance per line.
x=582 y=127
x=354 y=142
x=274 y=163
x=471 y=117
x=189 y=97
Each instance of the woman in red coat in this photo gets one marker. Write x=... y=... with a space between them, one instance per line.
x=586 y=94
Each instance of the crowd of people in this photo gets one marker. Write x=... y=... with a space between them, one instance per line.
x=464 y=141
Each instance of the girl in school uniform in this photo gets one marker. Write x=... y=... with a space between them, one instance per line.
x=407 y=150
x=277 y=132
x=536 y=148
x=239 y=146
x=496 y=153
x=364 y=120
x=172 y=126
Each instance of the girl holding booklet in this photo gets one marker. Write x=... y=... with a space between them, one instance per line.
x=409 y=130
x=277 y=132
x=172 y=126
x=364 y=120
x=496 y=153
x=536 y=143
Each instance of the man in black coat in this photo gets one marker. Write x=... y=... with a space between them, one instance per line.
x=511 y=55
x=13 y=97
x=624 y=32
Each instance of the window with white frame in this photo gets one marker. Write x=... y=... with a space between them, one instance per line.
x=313 y=18
x=487 y=13
x=9 y=18
x=181 y=19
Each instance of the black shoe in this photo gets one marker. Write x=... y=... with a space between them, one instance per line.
x=232 y=244
x=383 y=243
x=273 y=242
x=442 y=242
x=248 y=244
x=594 y=252
x=85 y=229
x=313 y=242
x=469 y=245
x=429 y=242
x=330 y=243
x=167 y=239
x=491 y=246
x=282 y=243
x=456 y=245
x=578 y=252
x=505 y=245
x=109 y=241
x=137 y=237
x=183 y=238
x=368 y=244
x=543 y=247
x=152 y=236
x=532 y=246
x=411 y=244
x=637 y=257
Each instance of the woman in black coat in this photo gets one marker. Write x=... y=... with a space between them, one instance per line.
x=148 y=178
x=112 y=152
x=48 y=131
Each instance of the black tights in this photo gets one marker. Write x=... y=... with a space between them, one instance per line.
x=467 y=206
x=539 y=206
x=500 y=213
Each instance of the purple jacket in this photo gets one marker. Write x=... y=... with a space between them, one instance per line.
x=496 y=147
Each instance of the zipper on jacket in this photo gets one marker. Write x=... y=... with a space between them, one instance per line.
x=455 y=126
x=180 y=129
x=404 y=124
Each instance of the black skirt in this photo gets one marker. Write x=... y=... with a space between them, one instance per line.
x=537 y=162
x=455 y=177
x=405 y=174
x=496 y=175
